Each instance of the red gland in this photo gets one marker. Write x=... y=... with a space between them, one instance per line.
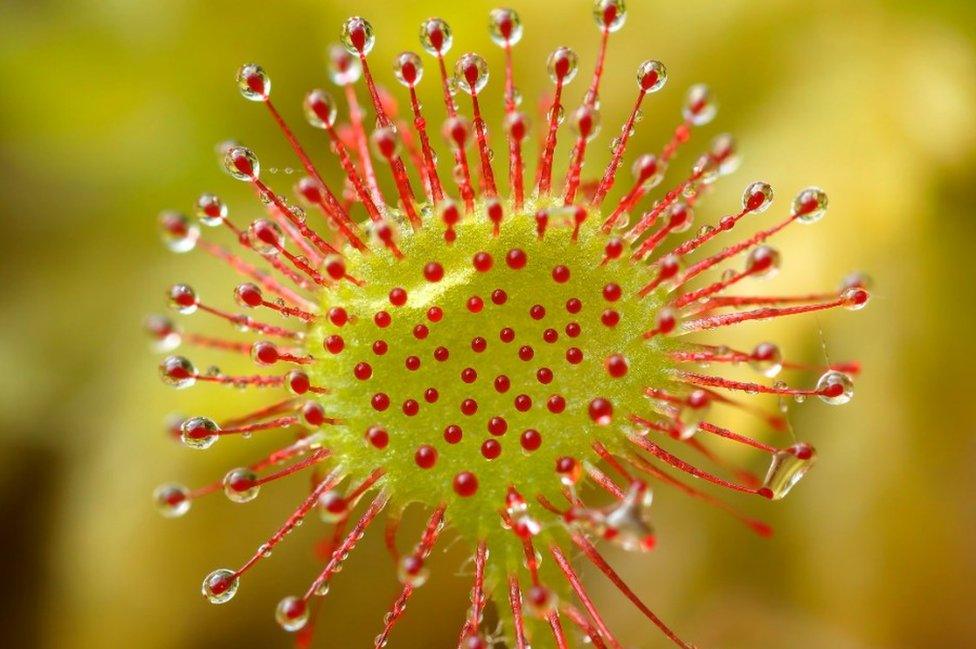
x=530 y=439
x=338 y=316
x=433 y=272
x=560 y=274
x=334 y=344
x=398 y=297
x=491 y=449
x=544 y=375
x=516 y=259
x=382 y=319
x=556 y=404
x=499 y=297
x=573 y=329
x=573 y=305
x=601 y=411
x=469 y=407
x=617 y=365
x=453 y=434
x=363 y=371
x=426 y=456
x=502 y=383
x=410 y=407
x=313 y=413
x=612 y=292
x=609 y=318
x=380 y=401
x=574 y=355
x=377 y=437
x=497 y=426
x=465 y=484
x=482 y=262
x=475 y=304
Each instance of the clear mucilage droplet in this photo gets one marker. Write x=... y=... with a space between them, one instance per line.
x=320 y=109
x=241 y=163
x=757 y=197
x=178 y=232
x=241 y=485
x=344 y=68
x=178 y=372
x=610 y=14
x=210 y=210
x=436 y=37
x=835 y=388
x=357 y=36
x=408 y=69
x=220 y=586
x=628 y=523
x=253 y=82
x=172 y=500
x=651 y=76
x=810 y=205
x=411 y=571
x=562 y=64
x=199 y=432
x=786 y=468
x=766 y=359
x=471 y=73
x=504 y=27
x=292 y=613
x=699 y=108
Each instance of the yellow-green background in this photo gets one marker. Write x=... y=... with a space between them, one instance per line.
x=109 y=112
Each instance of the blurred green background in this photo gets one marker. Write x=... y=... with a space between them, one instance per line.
x=109 y=112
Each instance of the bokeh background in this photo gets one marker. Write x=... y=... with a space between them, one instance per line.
x=109 y=112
